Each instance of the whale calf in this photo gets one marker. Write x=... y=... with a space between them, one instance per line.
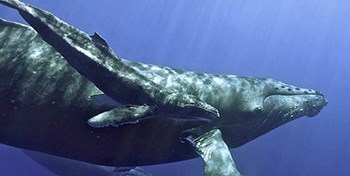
x=56 y=100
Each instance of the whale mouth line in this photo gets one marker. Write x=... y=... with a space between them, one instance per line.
x=295 y=94
x=317 y=94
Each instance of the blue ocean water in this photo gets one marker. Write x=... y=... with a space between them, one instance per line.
x=304 y=43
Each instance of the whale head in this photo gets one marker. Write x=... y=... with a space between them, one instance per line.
x=284 y=102
x=255 y=106
x=262 y=104
x=272 y=100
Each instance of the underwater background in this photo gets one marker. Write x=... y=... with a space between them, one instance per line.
x=305 y=43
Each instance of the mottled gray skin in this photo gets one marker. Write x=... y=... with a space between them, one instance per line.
x=215 y=154
x=249 y=107
x=77 y=46
x=45 y=105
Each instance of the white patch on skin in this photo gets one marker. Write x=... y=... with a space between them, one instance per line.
x=232 y=76
x=80 y=49
x=218 y=81
x=157 y=80
x=155 y=68
x=199 y=84
x=84 y=51
x=53 y=64
x=169 y=82
x=101 y=120
x=188 y=79
x=36 y=52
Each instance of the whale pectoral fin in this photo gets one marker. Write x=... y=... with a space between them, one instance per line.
x=121 y=115
x=215 y=154
x=186 y=105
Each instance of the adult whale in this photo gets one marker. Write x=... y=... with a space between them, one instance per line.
x=249 y=107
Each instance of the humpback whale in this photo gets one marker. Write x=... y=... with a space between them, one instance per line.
x=165 y=115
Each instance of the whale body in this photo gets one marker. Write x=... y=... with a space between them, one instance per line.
x=45 y=103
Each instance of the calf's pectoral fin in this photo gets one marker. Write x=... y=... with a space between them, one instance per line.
x=215 y=154
x=121 y=115
x=188 y=106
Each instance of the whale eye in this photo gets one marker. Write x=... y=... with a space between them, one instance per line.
x=289 y=89
x=283 y=86
x=297 y=88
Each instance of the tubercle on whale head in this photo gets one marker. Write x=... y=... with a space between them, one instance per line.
x=274 y=100
x=296 y=101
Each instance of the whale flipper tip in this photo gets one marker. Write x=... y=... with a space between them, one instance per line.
x=120 y=116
